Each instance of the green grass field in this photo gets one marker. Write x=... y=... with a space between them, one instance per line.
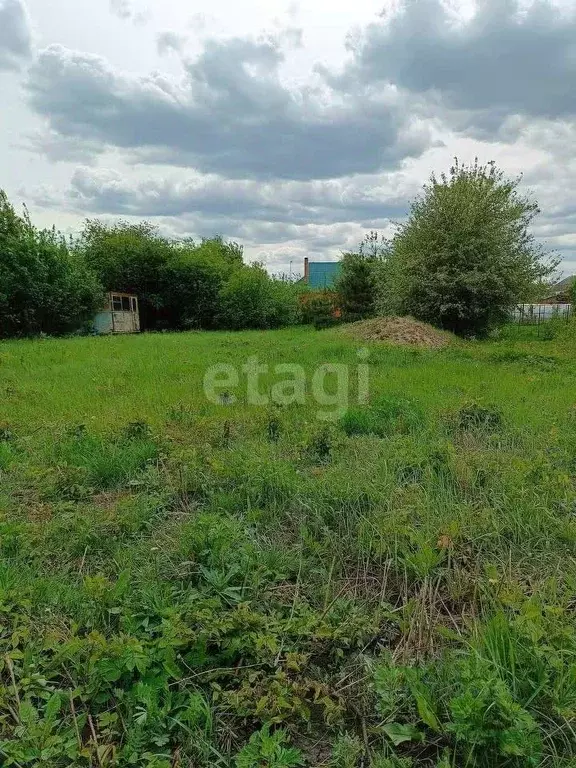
x=192 y=583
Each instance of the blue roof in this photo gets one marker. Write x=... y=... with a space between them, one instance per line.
x=323 y=274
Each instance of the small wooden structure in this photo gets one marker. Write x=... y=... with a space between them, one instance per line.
x=120 y=315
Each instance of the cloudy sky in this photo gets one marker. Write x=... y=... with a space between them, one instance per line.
x=292 y=127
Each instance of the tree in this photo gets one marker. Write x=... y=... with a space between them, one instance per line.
x=230 y=253
x=466 y=255
x=130 y=258
x=357 y=283
x=45 y=286
x=190 y=285
x=356 y=286
x=321 y=308
x=178 y=283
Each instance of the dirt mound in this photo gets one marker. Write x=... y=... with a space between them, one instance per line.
x=399 y=330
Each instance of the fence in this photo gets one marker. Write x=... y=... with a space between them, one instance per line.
x=535 y=314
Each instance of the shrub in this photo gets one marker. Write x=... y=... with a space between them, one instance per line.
x=466 y=255
x=45 y=287
x=177 y=283
x=192 y=279
x=190 y=282
x=357 y=281
x=252 y=299
x=320 y=309
x=128 y=257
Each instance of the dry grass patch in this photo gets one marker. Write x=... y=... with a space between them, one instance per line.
x=399 y=330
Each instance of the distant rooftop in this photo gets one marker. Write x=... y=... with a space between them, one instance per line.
x=564 y=285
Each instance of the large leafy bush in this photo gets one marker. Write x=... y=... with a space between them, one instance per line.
x=45 y=287
x=184 y=285
x=252 y=299
x=465 y=255
x=131 y=258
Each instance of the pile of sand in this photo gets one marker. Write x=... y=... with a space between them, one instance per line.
x=399 y=330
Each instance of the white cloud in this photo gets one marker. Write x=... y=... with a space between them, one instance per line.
x=284 y=139
x=125 y=10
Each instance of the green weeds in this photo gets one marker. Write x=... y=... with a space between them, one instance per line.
x=395 y=590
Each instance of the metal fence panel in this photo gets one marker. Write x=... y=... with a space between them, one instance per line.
x=534 y=314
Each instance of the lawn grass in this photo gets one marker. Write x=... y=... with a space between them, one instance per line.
x=196 y=583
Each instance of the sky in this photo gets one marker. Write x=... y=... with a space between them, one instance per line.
x=292 y=127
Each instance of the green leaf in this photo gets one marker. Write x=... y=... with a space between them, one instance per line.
x=399 y=733
x=53 y=706
x=423 y=701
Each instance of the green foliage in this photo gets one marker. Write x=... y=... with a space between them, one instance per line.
x=268 y=750
x=466 y=255
x=491 y=725
x=48 y=285
x=190 y=284
x=395 y=762
x=183 y=285
x=191 y=281
x=347 y=752
x=319 y=447
x=45 y=287
x=252 y=299
x=6 y=455
x=475 y=416
x=388 y=415
x=106 y=463
x=294 y=596
x=357 y=280
x=177 y=283
x=357 y=287
x=320 y=309
x=129 y=258
x=489 y=703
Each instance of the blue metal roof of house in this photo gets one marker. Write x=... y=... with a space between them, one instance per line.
x=323 y=274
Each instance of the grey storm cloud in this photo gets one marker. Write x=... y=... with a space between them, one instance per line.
x=15 y=35
x=231 y=114
x=508 y=58
x=295 y=202
x=281 y=161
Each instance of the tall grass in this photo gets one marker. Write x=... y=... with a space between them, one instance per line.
x=185 y=583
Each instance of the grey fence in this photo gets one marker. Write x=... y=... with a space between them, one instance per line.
x=535 y=314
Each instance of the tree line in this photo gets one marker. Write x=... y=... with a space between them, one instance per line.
x=462 y=259
x=55 y=285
